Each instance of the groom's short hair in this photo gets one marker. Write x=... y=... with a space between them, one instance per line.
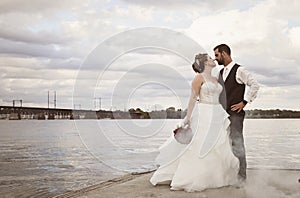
x=223 y=48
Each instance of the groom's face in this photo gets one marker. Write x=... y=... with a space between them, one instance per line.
x=219 y=57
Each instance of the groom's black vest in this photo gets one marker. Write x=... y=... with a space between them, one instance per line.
x=233 y=92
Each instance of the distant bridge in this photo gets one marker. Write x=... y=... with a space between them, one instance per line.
x=17 y=113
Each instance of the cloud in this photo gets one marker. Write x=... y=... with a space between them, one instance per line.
x=20 y=34
x=212 y=4
x=260 y=40
x=43 y=43
x=25 y=49
x=32 y=85
x=283 y=97
x=294 y=33
x=29 y=6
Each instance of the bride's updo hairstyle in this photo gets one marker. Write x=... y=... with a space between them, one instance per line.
x=198 y=65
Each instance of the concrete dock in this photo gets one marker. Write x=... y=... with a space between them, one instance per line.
x=260 y=183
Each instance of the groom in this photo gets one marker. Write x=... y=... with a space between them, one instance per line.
x=234 y=79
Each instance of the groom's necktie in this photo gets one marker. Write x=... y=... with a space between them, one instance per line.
x=225 y=73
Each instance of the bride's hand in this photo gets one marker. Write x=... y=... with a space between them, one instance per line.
x=183 y=123
x=187 y=122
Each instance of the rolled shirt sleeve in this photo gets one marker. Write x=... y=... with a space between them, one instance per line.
x=245 y=77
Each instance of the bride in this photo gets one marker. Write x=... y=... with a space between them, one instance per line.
x=207 y=161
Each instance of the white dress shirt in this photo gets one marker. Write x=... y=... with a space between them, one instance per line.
x=243 y=77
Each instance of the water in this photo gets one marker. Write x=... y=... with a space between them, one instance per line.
x=46 y=158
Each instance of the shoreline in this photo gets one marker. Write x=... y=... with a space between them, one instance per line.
x=269 y=182
x=103 y=185
x=42 y=113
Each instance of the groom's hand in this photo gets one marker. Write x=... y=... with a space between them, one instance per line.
x=238 y=107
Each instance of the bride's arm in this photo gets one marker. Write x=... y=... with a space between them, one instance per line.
x=196 y=86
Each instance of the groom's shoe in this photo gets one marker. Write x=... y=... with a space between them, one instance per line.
x=240 y=183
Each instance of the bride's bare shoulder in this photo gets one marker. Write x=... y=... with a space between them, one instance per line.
x=198 y=79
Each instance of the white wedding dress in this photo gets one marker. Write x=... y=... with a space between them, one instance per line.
x=208 y=161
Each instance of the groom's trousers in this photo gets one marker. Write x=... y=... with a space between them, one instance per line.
x=236 y=136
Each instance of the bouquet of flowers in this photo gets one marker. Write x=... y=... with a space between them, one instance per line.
x=183 y=134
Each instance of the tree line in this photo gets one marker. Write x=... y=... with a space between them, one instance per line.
x=172 y=113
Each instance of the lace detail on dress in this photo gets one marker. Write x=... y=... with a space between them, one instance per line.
x=210 y=92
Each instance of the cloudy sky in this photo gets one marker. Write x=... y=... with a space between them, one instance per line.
x=138 y=53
